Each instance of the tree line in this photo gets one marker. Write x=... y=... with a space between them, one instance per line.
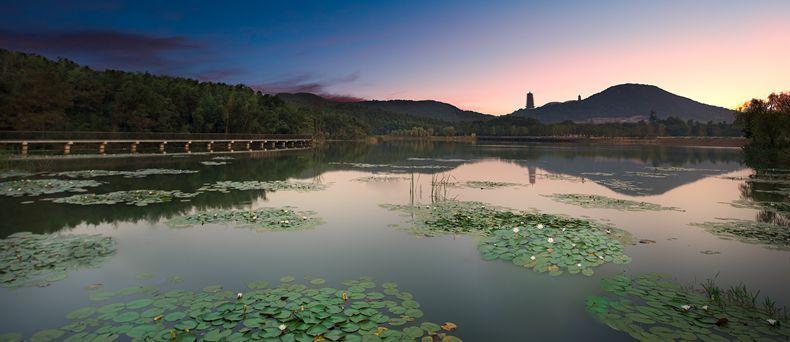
x=767 y=125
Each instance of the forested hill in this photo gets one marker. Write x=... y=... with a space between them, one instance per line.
x=427 y=109
x=37 y=93
x=628 y=102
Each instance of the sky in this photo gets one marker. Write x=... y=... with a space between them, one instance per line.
x=477 y=55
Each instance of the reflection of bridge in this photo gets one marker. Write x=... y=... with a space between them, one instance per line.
x=147 y=143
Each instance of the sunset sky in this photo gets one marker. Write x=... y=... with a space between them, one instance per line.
x=477 y=55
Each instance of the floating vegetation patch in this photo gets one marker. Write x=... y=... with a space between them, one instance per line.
x=652 y=308
x=545 y=243
x=226 y=186
x=774 y=235
x=139 y=198
x=601 y=174
x=14 y=174
x=559 y=176
x=488 y=185
x=598 y=201
x=28 y=259
x=679 y=169
x=393 y=168
x=648 y=174
x=622 y=185
x=442 y=160
x=214 y=163
x=223 y=158
x=379 y=179
x=263 y=219
x=128 y=174
x=359 y=311
x=36 y=187
x=777 y=207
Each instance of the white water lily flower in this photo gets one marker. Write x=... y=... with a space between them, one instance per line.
x=515 y=230
x=239 y=295
x=532 y=258
x=579 y=265
x=608 y=231
x=705 y=307
x=540 y=226
x=282 y=327
x=771 y=321
x=573 y=245
x=550 y=240
x=304 y=217
x=563 y=229
x=686 y=307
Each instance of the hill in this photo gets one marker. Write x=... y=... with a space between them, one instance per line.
x=379 y=120
x=628 y=103
x=427 y=109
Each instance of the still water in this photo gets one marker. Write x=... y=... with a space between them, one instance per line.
x=488 y=300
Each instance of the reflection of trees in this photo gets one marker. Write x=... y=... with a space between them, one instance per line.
x=764 y=193
x=45 y=216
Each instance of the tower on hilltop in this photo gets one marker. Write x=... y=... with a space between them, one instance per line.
x=530 y=101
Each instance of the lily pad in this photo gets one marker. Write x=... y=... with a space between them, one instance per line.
x=770 y=234
x=27 y=257
x=263 y=219
x=225 y=186
x=139 y=198
x=37 y=187
x=598 y=201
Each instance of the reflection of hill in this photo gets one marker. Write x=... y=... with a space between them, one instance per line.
x=566 y=159
x=637 y=166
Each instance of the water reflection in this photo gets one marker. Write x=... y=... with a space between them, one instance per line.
x=629 y=170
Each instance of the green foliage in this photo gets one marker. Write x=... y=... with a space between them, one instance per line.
x=598 y=201
x=359 y=311
x=28 y=259
x=139 y=198
x=263 y=219
x=767 y=124
x=36 y=187
x=651 y=308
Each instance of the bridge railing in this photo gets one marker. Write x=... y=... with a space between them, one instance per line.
x=91 y=135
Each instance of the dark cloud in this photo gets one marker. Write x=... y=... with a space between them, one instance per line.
x=309 y=83
x=108 y=49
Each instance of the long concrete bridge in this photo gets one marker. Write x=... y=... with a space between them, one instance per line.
x=26 y=143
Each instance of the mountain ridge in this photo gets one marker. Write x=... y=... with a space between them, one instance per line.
x=628 y=102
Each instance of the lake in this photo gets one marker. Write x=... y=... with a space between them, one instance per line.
x=353 y=236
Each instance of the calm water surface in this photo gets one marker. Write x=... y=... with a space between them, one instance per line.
x=488 y=300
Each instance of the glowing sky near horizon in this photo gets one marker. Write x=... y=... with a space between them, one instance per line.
x=477 y=55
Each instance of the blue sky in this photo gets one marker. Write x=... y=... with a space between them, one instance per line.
x=477 y=55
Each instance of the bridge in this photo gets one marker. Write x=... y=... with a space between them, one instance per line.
x=26 y=143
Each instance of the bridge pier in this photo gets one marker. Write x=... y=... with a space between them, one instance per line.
x=230 y=146
x=24 y=148
x=162 y=147
x=133 y=148
x=209 y=145
x=186 y=146
x=67 y=147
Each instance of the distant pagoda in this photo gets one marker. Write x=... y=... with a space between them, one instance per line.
x=530 y=101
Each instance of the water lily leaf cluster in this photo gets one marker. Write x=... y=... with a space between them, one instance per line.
x=378 y=179
x=14 y=174
x=37 y=187
x=772 y=206
x=598 y=201
x=226 y=186
x=263 y=219
x=542 y=242
x=141 y=173
x=623 y=185
x=392 y=167
x=139 y=198
x=28 y=259
x=771 y=234
x=648 y=174
x=487 y=185
x=650 y=307
x=360 y=311
x=214 y=163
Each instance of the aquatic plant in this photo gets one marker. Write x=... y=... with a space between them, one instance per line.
x=392 y=167
x=542 y=242
x=14 y=174
x=650 y=307
x=226 y=186
x=772 y=206
x=214 y=163
x=223 y=158
x=28 y=259
x=378 y=179
x=141 y=173
x=487 y=185
x=360 y=311
x=139 y=198
x=598 y=201
x=623 y=185
x=649 y=174
x=602 y=174
x=773 y=235
x=36 y=187
x=263 y=219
